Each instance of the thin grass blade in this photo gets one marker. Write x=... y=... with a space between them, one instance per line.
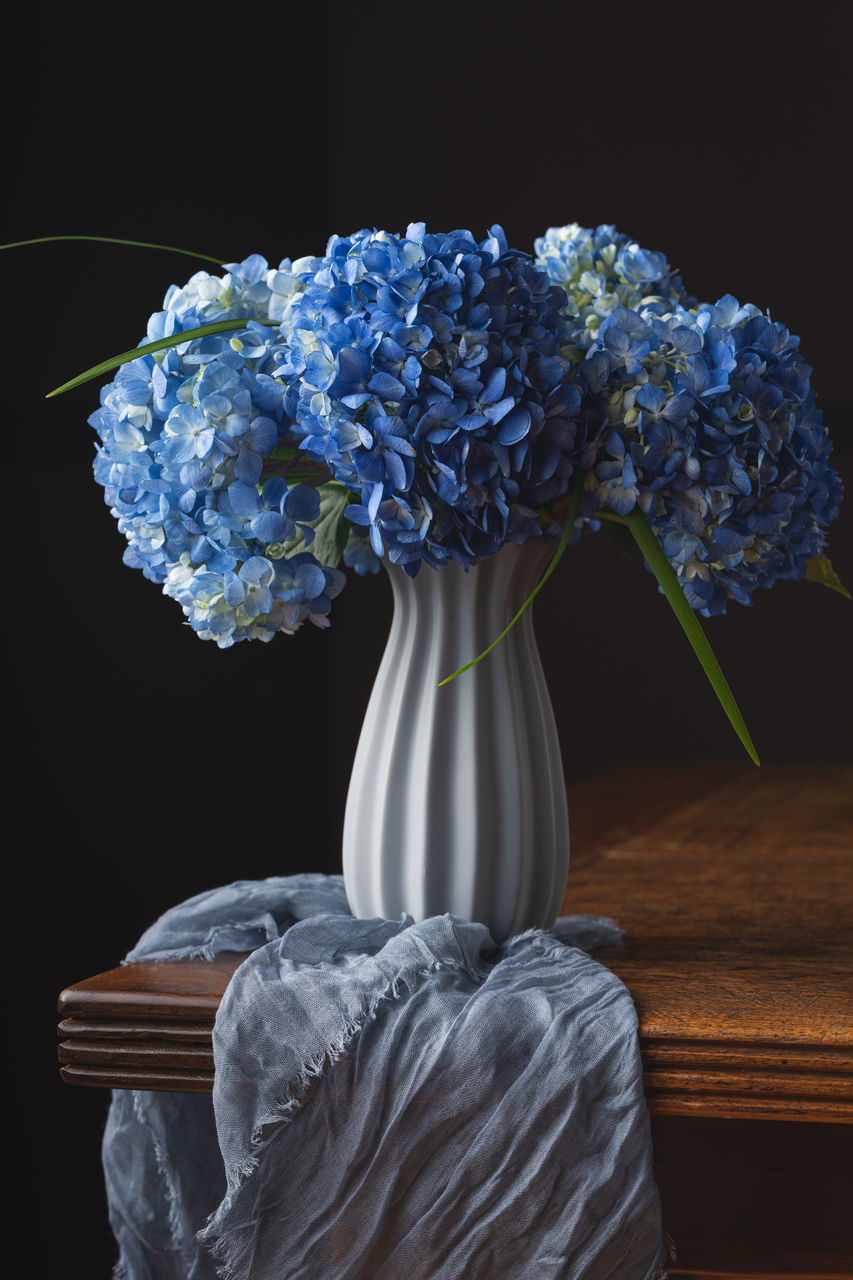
x=555 y=560
x=138 y=244
x=665 y=574
x=161 y=344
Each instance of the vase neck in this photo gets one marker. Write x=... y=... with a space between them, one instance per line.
x=510 y=574
x=457 y=613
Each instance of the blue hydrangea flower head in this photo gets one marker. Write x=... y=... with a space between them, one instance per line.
x=706 y=420
x=601 y=269
x=429 y=397
x=186 y=458
x=425 y=372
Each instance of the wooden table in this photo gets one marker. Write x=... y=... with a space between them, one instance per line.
x=734 y=888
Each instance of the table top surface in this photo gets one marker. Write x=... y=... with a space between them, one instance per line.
x=734 y=889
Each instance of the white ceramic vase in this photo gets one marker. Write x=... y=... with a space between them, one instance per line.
x=457 y=800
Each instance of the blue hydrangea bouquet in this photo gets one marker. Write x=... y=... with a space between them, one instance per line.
x=429 y=398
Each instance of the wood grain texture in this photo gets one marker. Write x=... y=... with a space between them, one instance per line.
x=780 y=808
x=163 y=1080
x=162 y=990
x=736 y=910
x=150 y=1056
x=104 y=1029
x=607 y=808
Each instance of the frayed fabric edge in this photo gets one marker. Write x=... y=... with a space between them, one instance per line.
x=121 y=1269
x=666 y=1258
x=162 y=957
x=218 y=1243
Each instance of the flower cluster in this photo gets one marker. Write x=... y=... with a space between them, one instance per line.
x=188 y=439
x=425 y=372
x=430 y=398
x=603 y=269
x=706 y=420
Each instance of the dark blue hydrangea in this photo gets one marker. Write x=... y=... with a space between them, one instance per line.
x=707 y=422
x=185 y=456
x=425 y=372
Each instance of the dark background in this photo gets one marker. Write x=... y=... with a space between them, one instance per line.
x=150 y=765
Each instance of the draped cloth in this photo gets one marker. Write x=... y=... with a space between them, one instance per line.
x=393 y=1101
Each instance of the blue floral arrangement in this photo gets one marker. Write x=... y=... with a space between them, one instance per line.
x=430 y=397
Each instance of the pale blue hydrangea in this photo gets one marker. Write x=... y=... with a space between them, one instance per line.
x=188 y=461
x=263 y=596
x=601 y=269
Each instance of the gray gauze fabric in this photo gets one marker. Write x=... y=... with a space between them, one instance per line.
x=393 y=1101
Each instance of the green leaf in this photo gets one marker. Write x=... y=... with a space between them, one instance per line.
x=331 y=530
x=663 y=571
x=819 y=569
x=139 y=244
x=568 y=525
x=162 y=344
x=284 y=452
x=621 y=538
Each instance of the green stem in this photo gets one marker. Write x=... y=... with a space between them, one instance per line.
x=161 y=344
x=139 y=244
x=671 y=587
x=609 y=515
x=555 y=560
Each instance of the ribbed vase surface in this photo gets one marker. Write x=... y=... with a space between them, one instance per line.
x=457 y=800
